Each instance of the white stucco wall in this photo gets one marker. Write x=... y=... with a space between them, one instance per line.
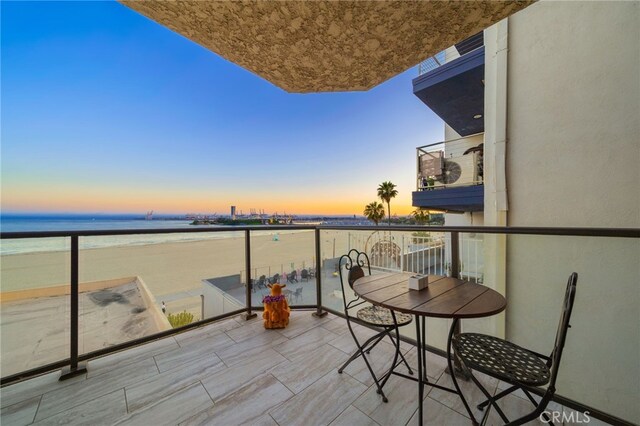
x=449 y=133
x=573 y=160
x=574 y=115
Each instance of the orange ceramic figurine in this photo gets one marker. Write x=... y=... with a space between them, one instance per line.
x=276 y=309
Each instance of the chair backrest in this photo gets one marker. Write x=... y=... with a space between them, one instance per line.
x=293 y=273
x=304 y=273
x=355 y=262
x=563 y=326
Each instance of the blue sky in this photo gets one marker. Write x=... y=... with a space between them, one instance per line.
x=103 y=110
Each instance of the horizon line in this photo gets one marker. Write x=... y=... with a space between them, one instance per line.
x=59 y=213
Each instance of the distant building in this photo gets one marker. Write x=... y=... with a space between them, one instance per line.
x=233 y=212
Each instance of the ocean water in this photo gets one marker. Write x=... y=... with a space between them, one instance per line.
x=27 y=223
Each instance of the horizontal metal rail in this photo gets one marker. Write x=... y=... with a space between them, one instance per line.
x=575 y=232
x=75 y=357
x=422 y=148
x=507 y=230
x=101 y=233
x=319 y=308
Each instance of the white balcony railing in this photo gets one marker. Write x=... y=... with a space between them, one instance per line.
x=457 y=162
x=449 y=54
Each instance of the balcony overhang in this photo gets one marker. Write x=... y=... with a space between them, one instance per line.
x=455 y=200
x=455 y=92
x=325 y=46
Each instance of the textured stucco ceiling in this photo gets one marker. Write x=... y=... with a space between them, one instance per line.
x=326 y=46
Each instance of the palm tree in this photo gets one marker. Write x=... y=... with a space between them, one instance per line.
x=387 y=191
x=421 y=216
x=374 y=211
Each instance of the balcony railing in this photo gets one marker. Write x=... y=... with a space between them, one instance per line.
x=453 y=163
x=75 y=296
x=451 y=53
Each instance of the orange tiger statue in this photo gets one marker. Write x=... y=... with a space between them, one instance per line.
x=276 y=309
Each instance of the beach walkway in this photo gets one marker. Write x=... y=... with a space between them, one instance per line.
x=235 y=372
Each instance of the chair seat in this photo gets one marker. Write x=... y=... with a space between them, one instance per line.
x=501 y=359
x=376 y=315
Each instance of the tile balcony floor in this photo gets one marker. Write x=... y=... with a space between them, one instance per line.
x=235 y=372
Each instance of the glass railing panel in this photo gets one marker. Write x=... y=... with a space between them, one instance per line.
x=34 y=311
x=286 y=257
x=333 y=244
x=412 y=252
x=427 y=253
x=422 y=251
x=138 y=285
x=603 y=344
x=602 y=350
x=452 y=163
x=471 y=257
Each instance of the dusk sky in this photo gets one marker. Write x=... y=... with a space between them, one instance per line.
x=104 y=110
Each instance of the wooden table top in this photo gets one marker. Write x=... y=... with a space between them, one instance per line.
x=445 y=297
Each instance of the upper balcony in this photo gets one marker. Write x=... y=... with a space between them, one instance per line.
x=451 y=83
x=450 y=175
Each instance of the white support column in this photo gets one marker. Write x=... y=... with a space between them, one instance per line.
x=495 y=184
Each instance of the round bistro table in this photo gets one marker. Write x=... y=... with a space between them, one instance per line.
x=444 y=297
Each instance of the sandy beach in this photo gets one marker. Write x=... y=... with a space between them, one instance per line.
x=170 y=270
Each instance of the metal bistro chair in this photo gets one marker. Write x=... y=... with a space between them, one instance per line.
x=275 y=279
x=381 y=318
x=293 y=276
x=520 y=367
x=298 y=294
x=304 y=275
x=262 y=282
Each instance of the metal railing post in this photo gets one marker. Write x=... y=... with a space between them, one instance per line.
x=455 y=273
x=455 y=255
x=75 y=368
x=247 y=259
x=319 y=312
x=202 y=306
x=402 y=252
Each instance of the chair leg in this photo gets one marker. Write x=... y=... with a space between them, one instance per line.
x=534 y=402
x=395 y=355
x=528 y=395
x=535 y=414
x=491 y=401
x=403 y=359
x=381 y=336
x=450 y=356
x=502 y=394
x=361 y=352
x=373 y=375
x=364 y=348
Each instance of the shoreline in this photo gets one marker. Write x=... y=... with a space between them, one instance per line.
x=167 y=268
x=210 y=236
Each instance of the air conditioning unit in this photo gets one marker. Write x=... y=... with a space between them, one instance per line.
x=462 y=170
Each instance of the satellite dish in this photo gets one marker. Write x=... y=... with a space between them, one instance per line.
x=450 y=172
